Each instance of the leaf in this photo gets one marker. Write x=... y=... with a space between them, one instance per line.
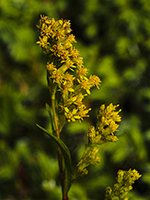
x=67 y=159
x=49 y=110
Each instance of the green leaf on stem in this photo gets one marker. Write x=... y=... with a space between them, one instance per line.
x=49 y=110
x=67 y=159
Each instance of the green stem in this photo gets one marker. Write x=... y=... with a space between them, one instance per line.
x=85 y=153
x=58 y=135
x=81 y=160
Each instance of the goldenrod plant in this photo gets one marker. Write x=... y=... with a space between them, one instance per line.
x=125 y=179
x=68 y=85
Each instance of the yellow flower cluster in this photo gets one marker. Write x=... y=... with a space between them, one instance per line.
x=65 y=69
x=89 y=159
x=102 y=133
x=124 y=183
x=106 y=125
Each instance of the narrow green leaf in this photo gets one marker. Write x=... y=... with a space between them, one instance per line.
x=66 y=155
x=49 y=110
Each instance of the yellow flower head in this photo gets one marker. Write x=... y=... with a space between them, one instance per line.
x=106 y=125
x=66 y=72
x=81 y=73
x=124 y=183
x=95 y=81
x=50 y=66
x=56 y=76
x=90 y=158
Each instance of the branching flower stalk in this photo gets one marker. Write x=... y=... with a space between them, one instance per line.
x=68 y=85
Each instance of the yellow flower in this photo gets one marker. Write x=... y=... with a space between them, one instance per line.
x=91 y=133
x=78 y=61
x=69 y=63
x=106 y=125
x=67 y=84
x=91 y=157
x=60 y=51
x=113 y=126
x=71 y=39
x=73 y=52
x=43 y=41
x=50 y=66
x=104 y=121
x=68 y=42
x=66 y=26
x=71 y=116
x=81 y=72
x=83 y=112
x=57 y=76
x=85 y=85
x=79 y=100
x=76 y=113
x=102 y=107
x=94 y=80
x=112 y=114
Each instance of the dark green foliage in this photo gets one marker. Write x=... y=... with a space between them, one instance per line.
x=114 y=41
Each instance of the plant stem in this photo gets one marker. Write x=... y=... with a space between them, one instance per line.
x=65 y=198
x=85 y=153
x=58 y=135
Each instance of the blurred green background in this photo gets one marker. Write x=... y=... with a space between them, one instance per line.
x=114 y=41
